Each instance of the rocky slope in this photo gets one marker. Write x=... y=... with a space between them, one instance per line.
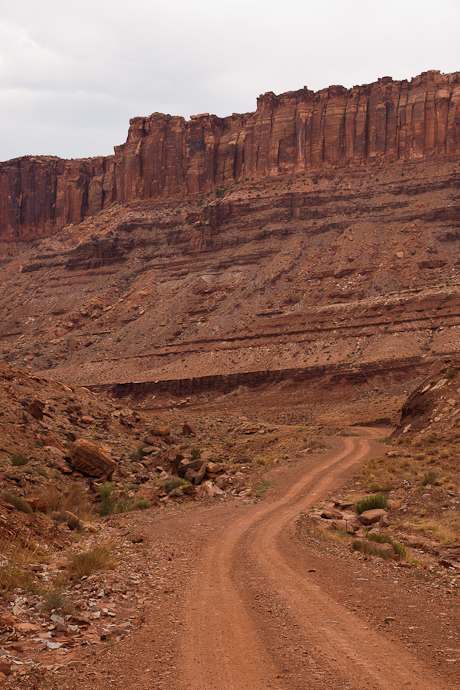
x=298 y=131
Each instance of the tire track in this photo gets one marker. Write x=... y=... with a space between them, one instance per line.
x=223 y=648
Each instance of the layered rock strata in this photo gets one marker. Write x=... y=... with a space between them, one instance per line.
x=299 y=131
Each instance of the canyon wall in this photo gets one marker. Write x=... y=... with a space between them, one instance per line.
x=379 y=123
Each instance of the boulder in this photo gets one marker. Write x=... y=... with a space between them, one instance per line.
x=162 y=431
x=200 y=475
x=214 y=467
x=5 y=667
x=190 y=476
x=90 y=459
x=148 y=492
x=184 y=466
x=371 y=516
x=52 y=441
x=188 y=429
x=37 y=409
x=38 y=505
x=209 y=490
x=331 y=514
x=222 y=481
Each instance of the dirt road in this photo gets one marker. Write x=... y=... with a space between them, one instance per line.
x=247 y=612
x=232 y=644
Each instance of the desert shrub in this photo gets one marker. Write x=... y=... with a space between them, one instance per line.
x=13 y=571
x=109 y=499
x=382 y=486
x=88 y=562
x=53 y=598
x=174 y=483
x=371 y=502
x=140 y=504
x=382 y=538
x=73 y=499
x=450 y=373
x=368 y=548
x=263 y=487
x=195 y=453
x=430 y=477
x=16 y=501
x=137 y=454
x=18 y=460
x=13 y=576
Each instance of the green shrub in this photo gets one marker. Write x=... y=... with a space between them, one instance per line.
x=368 y=548
x=263 y=487
x=16 y=501
x=18 y=460
x=450 y=373
x=371 y=502
x=140 y=504
x=175 y=483
x=382 y=538
x=379 y=487
x=195 y=453
x=110 y=501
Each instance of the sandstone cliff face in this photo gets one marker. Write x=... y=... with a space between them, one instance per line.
x=297 y=131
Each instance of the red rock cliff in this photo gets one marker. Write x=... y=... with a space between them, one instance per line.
x=301 y=130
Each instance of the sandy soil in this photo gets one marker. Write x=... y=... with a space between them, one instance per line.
x=243 y=603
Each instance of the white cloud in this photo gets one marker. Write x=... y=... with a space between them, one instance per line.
x=72 y=75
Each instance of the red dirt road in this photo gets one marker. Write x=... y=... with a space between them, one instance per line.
x=227 y=647
x=241 y=606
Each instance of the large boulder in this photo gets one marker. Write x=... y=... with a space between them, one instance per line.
x=90 y=459
x=371 y=516
x=194 y=465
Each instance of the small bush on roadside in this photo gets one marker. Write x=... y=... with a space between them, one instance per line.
x=371 y=502
x=140 y=504
x=170 y=485
x=16 y=501
x=379 y=487
x=263 y=487
x=88 y=562
x=382 y=538
x=18 y=460
x=368 y=548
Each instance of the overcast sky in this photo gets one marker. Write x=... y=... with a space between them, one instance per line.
x=73 y=73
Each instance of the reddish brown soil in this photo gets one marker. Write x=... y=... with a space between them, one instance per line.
x=246 y=603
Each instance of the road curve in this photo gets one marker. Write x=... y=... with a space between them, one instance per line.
x=230 y=644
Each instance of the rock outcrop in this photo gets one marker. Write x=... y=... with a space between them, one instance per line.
x=297 y=131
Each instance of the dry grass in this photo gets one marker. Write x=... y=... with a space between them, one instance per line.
x=88 y=562
x=74 y=499
x=14 y=571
